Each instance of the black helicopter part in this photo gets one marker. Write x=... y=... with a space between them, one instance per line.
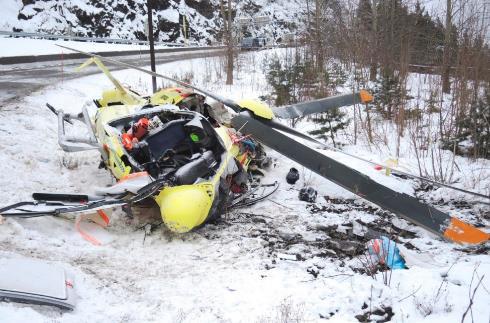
x=54 y=204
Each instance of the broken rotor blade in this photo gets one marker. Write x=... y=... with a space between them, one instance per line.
x=279 y=126
x=360 y=184
x=322 y=105
x=227 y=102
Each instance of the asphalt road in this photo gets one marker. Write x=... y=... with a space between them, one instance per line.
x=17 y=80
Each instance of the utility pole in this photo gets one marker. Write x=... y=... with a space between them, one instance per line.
x=149 y=6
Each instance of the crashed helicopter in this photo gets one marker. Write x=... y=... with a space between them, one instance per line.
x=177 y=150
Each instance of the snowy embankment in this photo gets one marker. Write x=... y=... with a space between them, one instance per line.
x=282 y=260
x=26 y=47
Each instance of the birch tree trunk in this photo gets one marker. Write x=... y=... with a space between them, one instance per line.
x=227 y=30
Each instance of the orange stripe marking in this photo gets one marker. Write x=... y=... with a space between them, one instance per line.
x=103 y=216
x=131 y=176
x=366 y=97
x=462 y=232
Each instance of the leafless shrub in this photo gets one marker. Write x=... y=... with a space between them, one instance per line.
x=70 y=161
x=181 y=316
x=286 y=312
x=186 y=77
x=427 y=305
x=471 y=295
x=372 y=266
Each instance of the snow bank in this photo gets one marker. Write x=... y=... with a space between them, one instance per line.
x=27 y=47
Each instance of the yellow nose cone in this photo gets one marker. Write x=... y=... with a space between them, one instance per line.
x=185 y=207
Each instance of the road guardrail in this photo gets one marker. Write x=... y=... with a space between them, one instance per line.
x=16 y=34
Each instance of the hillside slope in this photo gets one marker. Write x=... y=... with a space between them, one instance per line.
x=126 y=18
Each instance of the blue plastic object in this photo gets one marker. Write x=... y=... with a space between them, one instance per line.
x=249 y=144
x=385 y=251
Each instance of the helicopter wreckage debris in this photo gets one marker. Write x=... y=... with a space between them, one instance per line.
x=342 y=242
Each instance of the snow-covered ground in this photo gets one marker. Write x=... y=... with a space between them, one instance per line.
x=26 y=46
x=282 y=260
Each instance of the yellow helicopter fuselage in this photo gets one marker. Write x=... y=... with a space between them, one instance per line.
x=182 y=207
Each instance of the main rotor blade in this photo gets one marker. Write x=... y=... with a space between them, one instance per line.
x=321 y=105
x=279 y=126
x=229 y=103
x=401 y=204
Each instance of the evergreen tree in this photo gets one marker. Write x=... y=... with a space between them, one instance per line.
x=387 y=94
x=295 y=80
x=474 y=129
x=332 y=121
x=301 y=81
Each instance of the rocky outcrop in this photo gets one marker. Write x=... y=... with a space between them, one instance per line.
x=126 y=18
